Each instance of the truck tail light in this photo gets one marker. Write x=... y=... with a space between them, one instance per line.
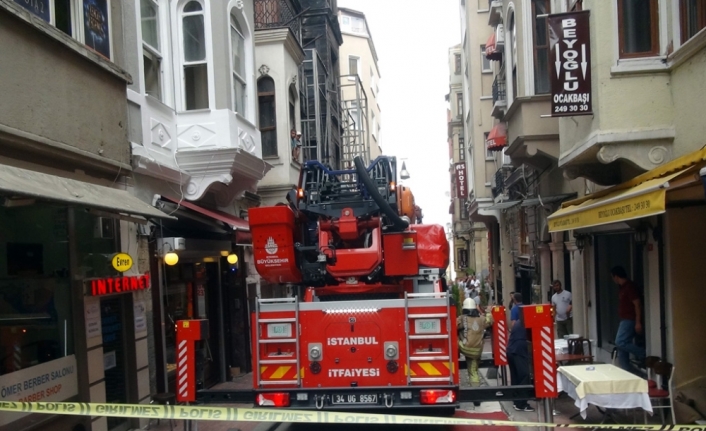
x=273 y=399
x=437 y=396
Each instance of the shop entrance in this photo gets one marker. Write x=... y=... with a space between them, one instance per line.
x=114 y=361
x=613 y=250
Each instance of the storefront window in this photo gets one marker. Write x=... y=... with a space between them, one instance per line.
x=36 y=323
x=95 y=244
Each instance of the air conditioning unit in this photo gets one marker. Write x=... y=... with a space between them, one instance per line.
x=104 y=228
x=167 y=245
x=499 y=38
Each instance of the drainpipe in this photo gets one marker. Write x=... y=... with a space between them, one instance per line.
x=662 y=289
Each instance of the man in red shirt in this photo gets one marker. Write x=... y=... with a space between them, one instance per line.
x=630 y=314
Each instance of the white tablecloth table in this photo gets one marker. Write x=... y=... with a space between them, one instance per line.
x=603 y=385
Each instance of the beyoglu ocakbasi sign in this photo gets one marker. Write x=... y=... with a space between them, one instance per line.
x=570 y=63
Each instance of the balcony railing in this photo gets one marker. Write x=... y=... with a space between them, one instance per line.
x=499 y=91
x=277 y=14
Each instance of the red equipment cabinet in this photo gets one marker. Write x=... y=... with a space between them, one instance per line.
x=273 y=231
x=188 y=332
x=540 y=332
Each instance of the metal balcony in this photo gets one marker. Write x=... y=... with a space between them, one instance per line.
x=499 y=97
x=277 y=14
x=495 y=7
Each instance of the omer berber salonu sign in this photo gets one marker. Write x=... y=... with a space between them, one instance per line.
x=570 y=63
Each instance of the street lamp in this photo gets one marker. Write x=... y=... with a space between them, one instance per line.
x=404 y=174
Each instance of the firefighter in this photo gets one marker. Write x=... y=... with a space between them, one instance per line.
x=471 y=325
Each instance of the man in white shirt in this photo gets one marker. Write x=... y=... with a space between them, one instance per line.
x=561 y=300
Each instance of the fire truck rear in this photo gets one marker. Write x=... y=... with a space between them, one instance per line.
x=369 y=326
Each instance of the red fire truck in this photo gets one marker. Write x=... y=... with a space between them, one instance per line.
x=369 y=326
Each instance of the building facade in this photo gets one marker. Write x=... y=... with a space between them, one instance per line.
x=198 y=154
x=360 y=88
x=470 y=238
x=279 y=56
x=569 y=188
x=74 y=320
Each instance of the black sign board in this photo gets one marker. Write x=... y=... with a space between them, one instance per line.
x=570 y=63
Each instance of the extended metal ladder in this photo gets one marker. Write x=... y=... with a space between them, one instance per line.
x=281 y=305
x=429 y=299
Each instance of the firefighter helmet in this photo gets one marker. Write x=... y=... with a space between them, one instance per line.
x=469 y=304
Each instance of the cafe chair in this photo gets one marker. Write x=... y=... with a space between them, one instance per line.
x=164 y=399
x=660 y=397
x=650 y=362
x=580 y=346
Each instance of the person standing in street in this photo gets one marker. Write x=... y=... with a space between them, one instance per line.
x=471 y=325
x=518 y=352
x=630 y=315
x=561 y=300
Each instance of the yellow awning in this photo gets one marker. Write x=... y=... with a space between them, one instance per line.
x=642 y=200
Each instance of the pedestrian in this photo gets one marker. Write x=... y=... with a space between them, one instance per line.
x=517 y=352
x=296 y=143
x=630 y=315
x=561 y=300
x=471 y=326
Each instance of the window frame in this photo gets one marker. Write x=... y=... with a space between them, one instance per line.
x=182 y=63
x=154 y=52
x=359 y=65
x=536 y=48
x=489 y=155
x=461 y=146
x=484 y=60
x=373 y=121
x=655 y=30
x=684 y=19
x=235 y=76
x=459 y=104
x=273 y=95
x=457 y=63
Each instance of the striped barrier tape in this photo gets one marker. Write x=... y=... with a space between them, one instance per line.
x=300 y=416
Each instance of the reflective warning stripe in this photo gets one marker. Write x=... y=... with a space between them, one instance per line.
x=282 y=372
x=285 y=415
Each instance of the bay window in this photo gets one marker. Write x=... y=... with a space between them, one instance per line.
x=194 y=61
x=692 y=17
x=540 y=40
x=151 y=54
x=237 y=46
x=638 y=28
x=268 y=116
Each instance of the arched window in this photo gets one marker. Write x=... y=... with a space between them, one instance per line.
x=237 y=46
x=268 y=116
x=194 y=57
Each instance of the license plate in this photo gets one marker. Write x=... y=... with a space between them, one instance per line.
x=355 y=399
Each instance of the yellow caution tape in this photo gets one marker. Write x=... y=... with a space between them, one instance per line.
x=186 y=412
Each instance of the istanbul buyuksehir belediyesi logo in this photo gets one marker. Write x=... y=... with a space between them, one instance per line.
x=271 y=246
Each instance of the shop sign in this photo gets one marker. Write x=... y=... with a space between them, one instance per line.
x=95 y=25
x=93 y=318
x=570 y=63
x=37 y=7
x=107 y=286
x=51 y=381
x=461 y=180
x=140 y=319
x=122 y=262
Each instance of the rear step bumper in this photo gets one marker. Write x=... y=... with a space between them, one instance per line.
x=342 y=399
